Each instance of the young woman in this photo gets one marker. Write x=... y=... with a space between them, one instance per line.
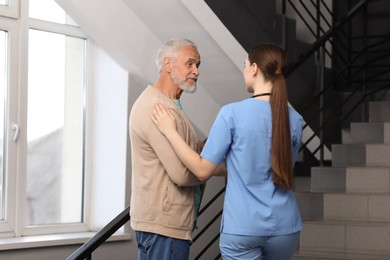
x=260 y=139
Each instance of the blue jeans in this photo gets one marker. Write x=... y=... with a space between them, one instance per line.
x=157 y=247
x=258 y=247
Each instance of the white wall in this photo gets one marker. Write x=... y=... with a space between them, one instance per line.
x=110 y=250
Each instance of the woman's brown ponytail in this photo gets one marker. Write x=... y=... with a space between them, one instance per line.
x=271 y=61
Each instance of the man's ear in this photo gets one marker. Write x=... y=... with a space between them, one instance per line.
x=167 y=64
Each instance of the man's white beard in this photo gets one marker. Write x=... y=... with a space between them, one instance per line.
x=183 y=85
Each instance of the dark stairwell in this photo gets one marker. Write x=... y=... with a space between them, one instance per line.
x=330 y=86
x=339 y=82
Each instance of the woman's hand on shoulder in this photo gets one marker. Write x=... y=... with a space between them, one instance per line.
x=163 y=119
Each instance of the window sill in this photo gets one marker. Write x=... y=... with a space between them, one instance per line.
x=55 y=240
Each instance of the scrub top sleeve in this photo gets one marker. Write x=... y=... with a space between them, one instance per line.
x=297 y=138
x=219 y=139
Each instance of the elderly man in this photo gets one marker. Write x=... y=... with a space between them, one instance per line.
x=165 y=194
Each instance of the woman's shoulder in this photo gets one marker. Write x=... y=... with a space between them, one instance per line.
x=238 y=104
x=295 y=116
x=230 y=108
x=294 y=112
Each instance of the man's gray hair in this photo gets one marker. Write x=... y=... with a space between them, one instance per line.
x=171 y=49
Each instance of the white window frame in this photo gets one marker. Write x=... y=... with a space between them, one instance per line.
x=10 y=10
x=8 y=226
x=101 y=203
x=26 y=23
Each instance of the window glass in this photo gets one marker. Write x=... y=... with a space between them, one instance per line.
x=55 y=128
x=4 y=2
x=3 y=87
x=49 y=10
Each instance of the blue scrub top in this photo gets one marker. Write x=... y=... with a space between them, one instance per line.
x=253 y=205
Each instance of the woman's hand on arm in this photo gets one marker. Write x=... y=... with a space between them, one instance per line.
x=166 y=123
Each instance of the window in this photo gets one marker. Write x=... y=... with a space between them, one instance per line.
x=48 y=10
x=55 y=132
x=42 y=120
x=9 y=8
x=3 y=84
x=55 y=120
x=55 y=123
x=8 y=42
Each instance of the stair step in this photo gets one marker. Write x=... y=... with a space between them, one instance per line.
x=360 y=155
x=328 y=179
x=357 y=207
x=350 y=179
x=311 y=205
x=379 y=111
x=346 y=237
x=318 y=255
x=302 y=183
x=346 y=136
x=370 y=132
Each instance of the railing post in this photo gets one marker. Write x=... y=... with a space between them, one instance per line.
x=320 y=82
x=321 y=78
x=318 y=20
x=284 y=25
x=364 y=103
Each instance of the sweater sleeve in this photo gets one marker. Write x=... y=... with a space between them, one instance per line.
x=176 y=170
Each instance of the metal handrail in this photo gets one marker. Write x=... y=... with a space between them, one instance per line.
x=348 y=98
x=207 y=247
x=325 y=37
x=318 y=46
x=216 y=196
x=85 y=251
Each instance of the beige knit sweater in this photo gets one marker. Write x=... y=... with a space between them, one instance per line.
x=162 y=194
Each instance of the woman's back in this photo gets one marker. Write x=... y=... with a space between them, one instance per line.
x=253 y=204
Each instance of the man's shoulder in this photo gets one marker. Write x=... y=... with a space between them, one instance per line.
x=145 y=100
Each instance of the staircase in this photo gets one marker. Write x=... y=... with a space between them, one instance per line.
x=346 y=206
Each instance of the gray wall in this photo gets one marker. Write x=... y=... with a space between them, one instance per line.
x=122 y=250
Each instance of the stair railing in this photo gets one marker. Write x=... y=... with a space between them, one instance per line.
x=207 y=226
x=319 y=47
x=345 y=72
x=86 y=250
x=354 y=91
x=325 y=37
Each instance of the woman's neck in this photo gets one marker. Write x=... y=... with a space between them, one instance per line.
x=262 y=91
